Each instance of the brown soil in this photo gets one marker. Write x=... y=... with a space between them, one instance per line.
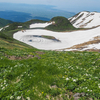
x=20 y=58
x=25 y=57
x=96 y=40
x=39 y=52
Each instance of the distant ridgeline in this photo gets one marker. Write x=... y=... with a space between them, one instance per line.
x=60 y=24
x=4 y=22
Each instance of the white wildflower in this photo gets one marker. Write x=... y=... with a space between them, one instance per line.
x=63 y=77
x=88 y=90
x=3 y=88
x=4 y=81
x=99 y=85
x=67 y=78
x=28 y=98
x=19 y=97
x=74 y=80
x=11 y=97
x=84 y=79
x=86 y=94
x=15 y=66
x=86 y=87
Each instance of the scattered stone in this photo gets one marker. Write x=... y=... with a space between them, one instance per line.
x=54 y=86
x=77 y=95
x=82 y=94
x=40 y=52
x=47 y=96
x=37 y=56
x=90 y=99
x=76 y=98
x=30 y=56
x=19 y=58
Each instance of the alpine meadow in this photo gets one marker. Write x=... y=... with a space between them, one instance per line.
x=55 y=58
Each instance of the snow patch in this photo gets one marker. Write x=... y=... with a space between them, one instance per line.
x=68 y=39
x=87 y=20
x=40 y=25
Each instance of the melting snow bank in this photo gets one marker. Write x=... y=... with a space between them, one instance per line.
x=68 y=39
x=4 y=27
x=40 y=25
x=1 y=29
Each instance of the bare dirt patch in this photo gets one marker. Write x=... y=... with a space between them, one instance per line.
x=96 y=40
x=20 y=58
x=81 y=46
x=35 y=54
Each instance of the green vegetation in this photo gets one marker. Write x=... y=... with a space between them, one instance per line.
x=48 y=74
x=27 y=73
x=61 y=24
x=4 y=22
x=48 y=37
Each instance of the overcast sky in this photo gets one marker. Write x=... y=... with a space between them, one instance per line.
x=68 y=5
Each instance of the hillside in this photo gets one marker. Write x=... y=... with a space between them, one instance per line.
x=27 y=73
x=4 y=22
x=60 y=24
x=32 y=74
x=85 y=19
x=67 y=40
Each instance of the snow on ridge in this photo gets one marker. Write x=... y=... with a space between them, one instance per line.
x=4 y=27
x=86 y=20
x=1 y=29
x=40 y=25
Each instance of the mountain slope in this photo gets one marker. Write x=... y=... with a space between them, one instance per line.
x=60 y=24
x=4 y=22
x=86 y=19
x=27 y=73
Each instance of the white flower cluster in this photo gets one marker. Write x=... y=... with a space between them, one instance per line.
x=19 y=97
x=28 y=98
x=99 y=85
x=4 y=85
x=67 y=78
x=11 y=97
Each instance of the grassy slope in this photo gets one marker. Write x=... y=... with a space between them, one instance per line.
x=61 y=24
x=4 y=22
x=47 y=74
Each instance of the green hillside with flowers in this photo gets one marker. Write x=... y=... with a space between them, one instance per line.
x=27 y=73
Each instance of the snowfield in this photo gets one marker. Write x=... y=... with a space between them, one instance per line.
x=1 y=29
x=40 y=25
x=86 y=19
x=68 y=39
